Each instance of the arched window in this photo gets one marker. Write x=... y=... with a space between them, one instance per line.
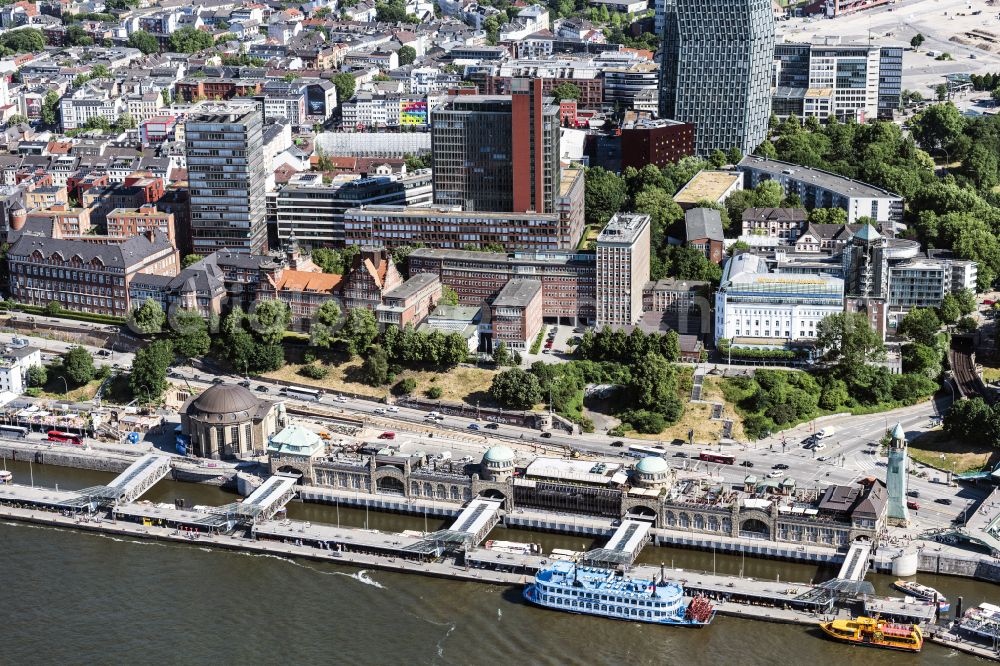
x=685 y=520
x=455 y=494
x=699 y=521
x=415 y=489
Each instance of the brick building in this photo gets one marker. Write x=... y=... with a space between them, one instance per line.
x=410 y=302
x=516 y=313
x=83 y=276
x=372 y=274
x=128 y=222
x=303 y=292
x=568 y=279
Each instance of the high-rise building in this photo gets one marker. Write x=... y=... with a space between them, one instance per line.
x=866 y=277
x=716 y=70
x=226 y=177
x=497 y=153
x=622 y=269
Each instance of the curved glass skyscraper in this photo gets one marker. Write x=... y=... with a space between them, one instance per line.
x=716 y=70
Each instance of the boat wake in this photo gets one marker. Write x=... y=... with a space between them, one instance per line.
x=440 y=643
x=361 y=576
x=499 y=614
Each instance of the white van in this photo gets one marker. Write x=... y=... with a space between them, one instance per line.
x=433 y=415
x=824 y=433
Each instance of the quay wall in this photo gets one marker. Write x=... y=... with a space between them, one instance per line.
x=107 y=461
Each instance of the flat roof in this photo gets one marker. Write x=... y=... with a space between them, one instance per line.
x=270 y=491
x=630 y=536
x=710 y=185
x=412 y=286
x=476 y=516
x=573 y=470
x=623 y=228
x=518 y=293
x=824 y=179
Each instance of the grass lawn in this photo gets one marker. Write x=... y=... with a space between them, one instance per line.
x=460 y=384
x=54 y=389
x=991 y=375
x=937 y=449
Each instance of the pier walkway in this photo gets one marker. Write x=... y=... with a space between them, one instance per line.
x=263 y=503
x=624 y=545
x=857 y=561
x=131 y=484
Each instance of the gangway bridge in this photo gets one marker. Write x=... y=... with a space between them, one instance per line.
x=131 y=484
x=623 y=546
x=263 y=503
x=857 y=561
x=471 y=526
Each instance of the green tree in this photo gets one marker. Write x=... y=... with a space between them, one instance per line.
x=37 y=376
x=190 y=334
x=359 y=331
x=717 y=158
x=405 y=386
x=77 y=36
x=734 y=156
x=190 y=260
x=966 y=325
x=921 y=359
x=17 y=119
x=148 y=377
x=149 y=318
x=448 y=296
x=492 y=27
x=375 y=368
x=501 y=355
x=144 y=41
x=24 y=40
x=653 y=383
x=270 y=320
x=606 y=195
x=920 y=325
x=190 y=40
x=322 y=332
x=847 y=339
x=566 y=90
x=966 y=300
x=78 y=365
x=434 y=392
x=917 y=40
x=937 y=127
x=406 y=54
x=345 y=84
x=50 y=108
x=53 y=309
x=827 y=216
x=949 y=311
x=516 y=389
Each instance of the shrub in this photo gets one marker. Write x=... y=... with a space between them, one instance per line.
x=405 y=386
x=314 y=371
x=434 y=392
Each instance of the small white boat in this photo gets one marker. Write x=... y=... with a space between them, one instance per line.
x=923 y=593
x=6 y=477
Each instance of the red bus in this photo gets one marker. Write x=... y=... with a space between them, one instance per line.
x=721 y=458
x=59 y=436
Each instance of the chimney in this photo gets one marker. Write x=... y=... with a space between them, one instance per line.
x=150 y=234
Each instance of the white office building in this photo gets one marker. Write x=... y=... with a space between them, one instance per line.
x=756 y=305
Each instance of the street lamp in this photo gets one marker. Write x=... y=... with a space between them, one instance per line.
x=65 y=384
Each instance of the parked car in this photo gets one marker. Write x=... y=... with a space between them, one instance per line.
x=245 y=383
x=779 y=466
x=680 y=454
x=473 y=426
x=393 y=409
x=822 y=458
x=378 y=410
x=746 y=463
x=387 y=435
x=913 y=493
x=775 y=474
x=618 y=444
x=263 y=389
x=547 y=435
x=943 y=500
x=341 y=398
x=218 y=380
x=912 y=505
x=491 y=426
